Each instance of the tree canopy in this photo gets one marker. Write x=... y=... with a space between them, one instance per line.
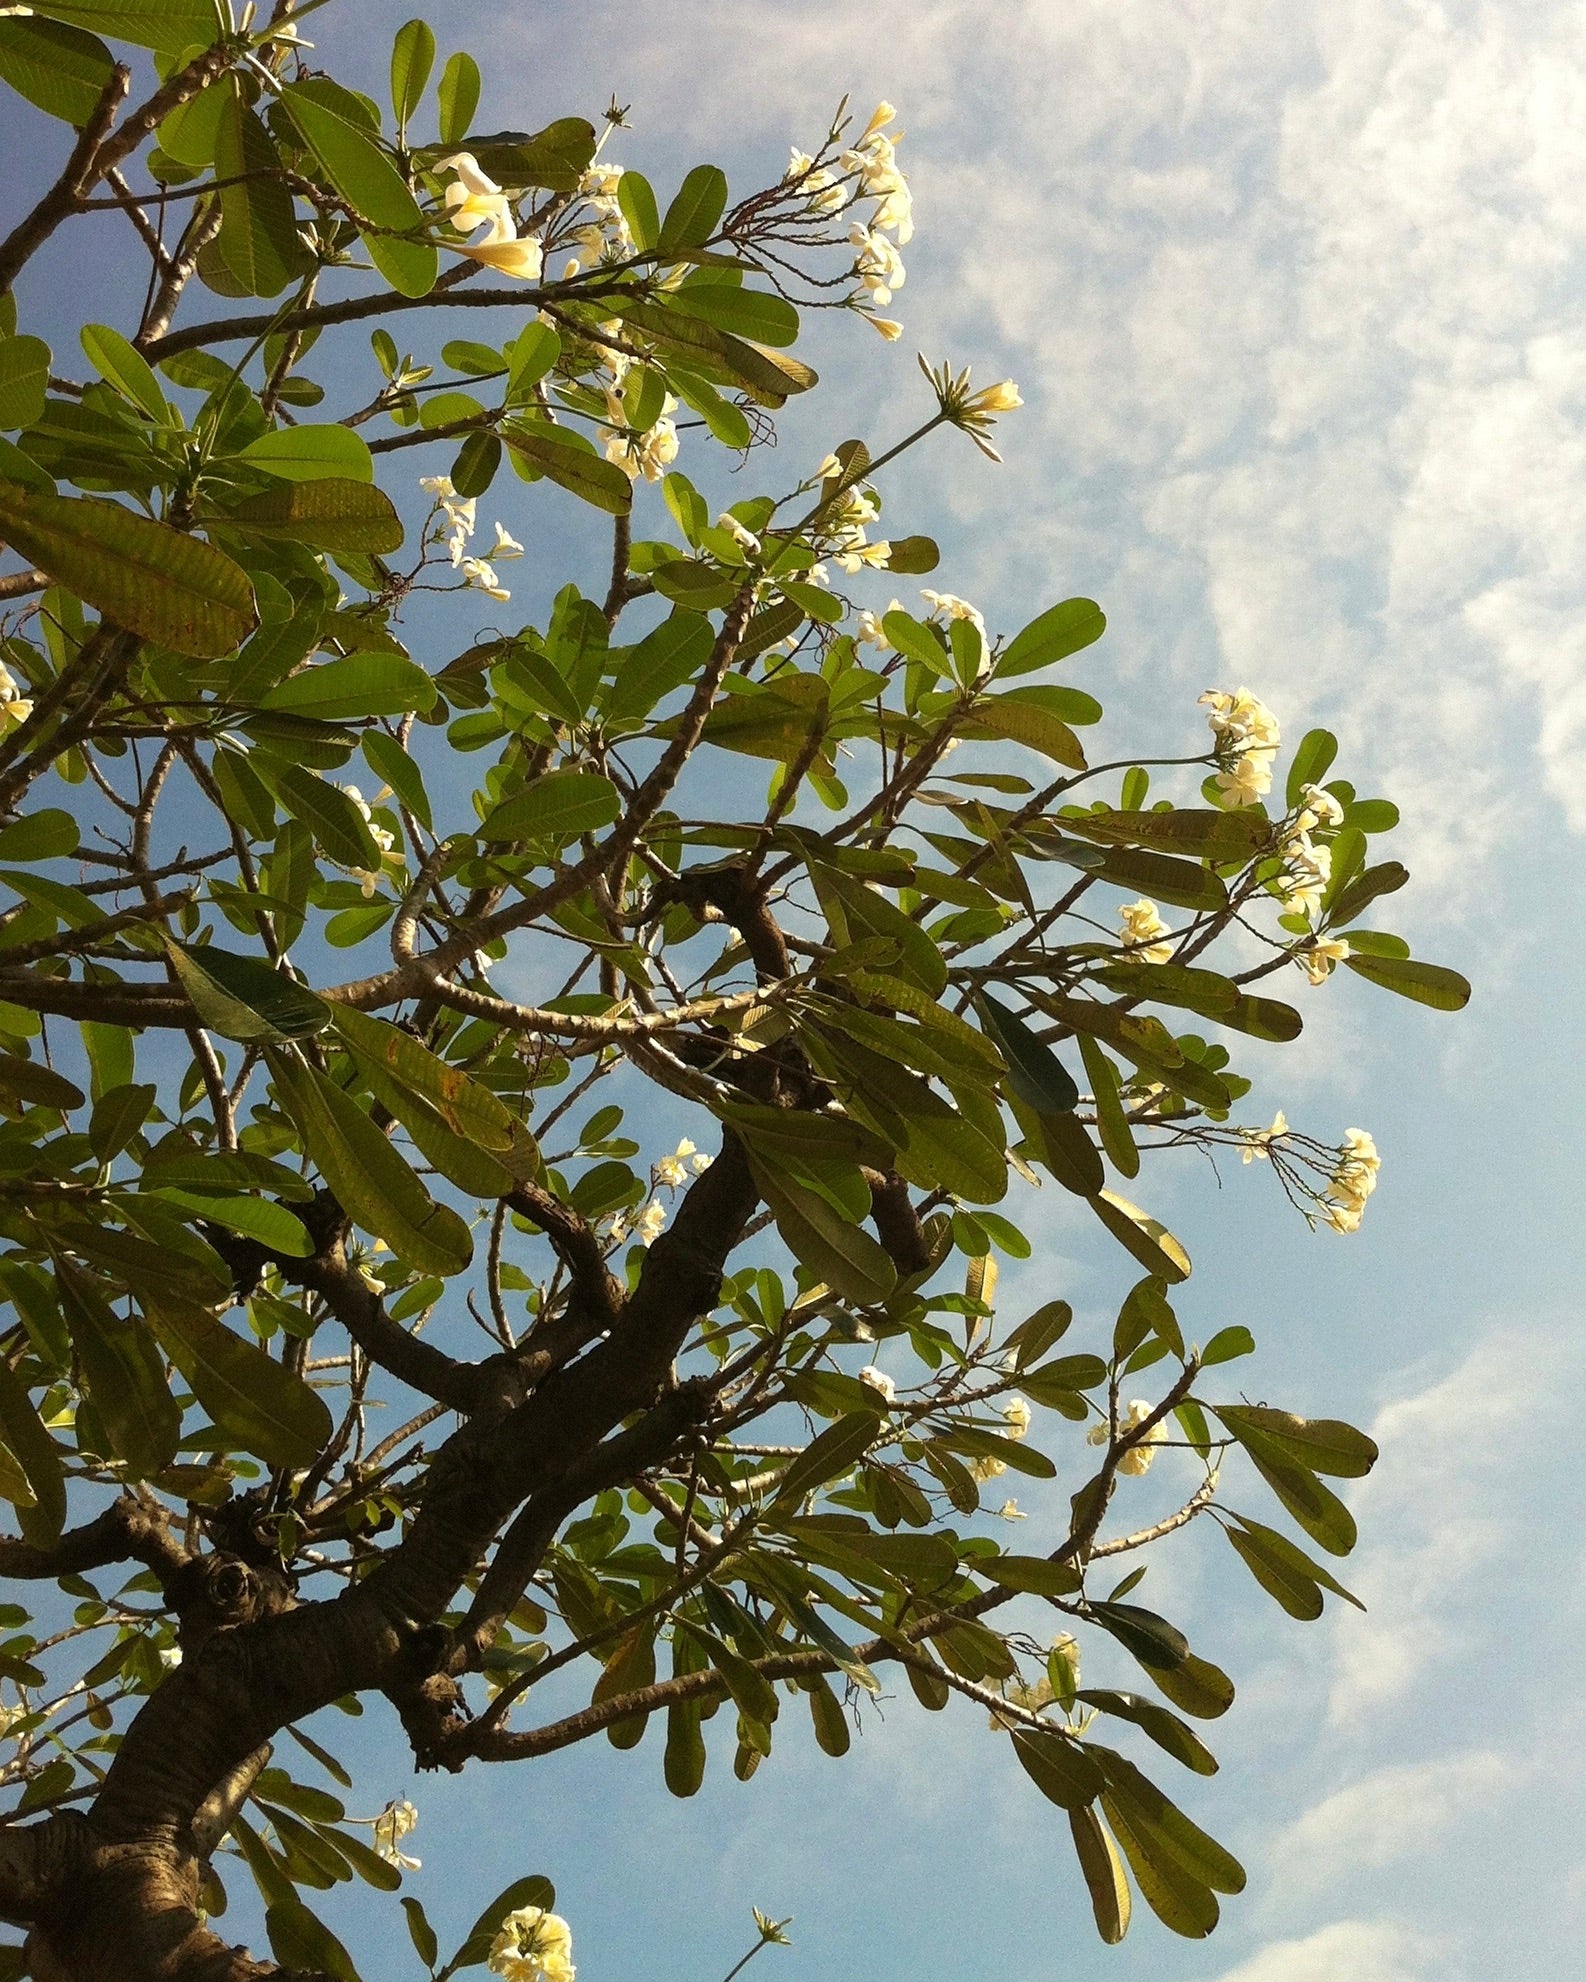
x=524 y=1241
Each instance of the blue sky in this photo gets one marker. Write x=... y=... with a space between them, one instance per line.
x=1294 y=296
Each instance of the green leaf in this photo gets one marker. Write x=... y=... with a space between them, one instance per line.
x=24 y=369
x=917 y=640
x=412 y=58
x=1199 y=833
x=1060 y=631
x=836 y=1451
x=59 y=69
x=300 y=1940
x=1326 y=1445
x=268 y=1409
x=1112 y=1123
x=170 y=27
x=554 y=807
x=1058 y=1766
x=1020 y=721
x=636 y=198
x=1195 y=1686
x=1151 y=1243
x=371 y=1181
x=392 y=765
x=1319 y=1511
x=330 y=815
x=118 y=1115
x=1285 y=1571
x=1036 y=1575
x=366 y=178
x=126 y=369
x=420 y=1932
x=1103 y=1873
x=1158 y=1645
x=467 y=1108
x=122 y=1375
x=1427 y=983
x=1226 y=1345
x=756 y=313
x=334 y=514
x=143 y=575
x=843 y=1254
x=1318 y=748
x=49 y=834
x=34 y=1451
x=311 y=454
x=26 y=1080
x=1035 y=1073
x=570 y=463
x=258 y=243
x=360 y=685
x=241 y=998
x=458 y=95
x=1202 y=1857
x=669 y=655
x=691 y=218
x=1165 y=1729
x=1182 y=1903
x=253 y=1217
x=1355 y=895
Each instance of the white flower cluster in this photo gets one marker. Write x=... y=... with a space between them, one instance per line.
x=1352 y=1182
x=14 y=707
x=948 y=606
x=395 y=1822
x=460 y=515
x=649 y=454
x=1138 y=1458
x=868 y=169
x=532 y=1945
x=646 y=1228
x=1143 y=929
x=607 y=235
x=1033 y=1696
x=1247 y=742
x=845 y=522
x=369 y=878
x=474 y=200
x=674 y=1169
x=880 y=1383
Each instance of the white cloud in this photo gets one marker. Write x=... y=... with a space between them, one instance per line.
x=1436 y=1512
x=1393 y=1813
x=1346 y=1951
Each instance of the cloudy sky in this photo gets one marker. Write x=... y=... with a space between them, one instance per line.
x=1294 y=295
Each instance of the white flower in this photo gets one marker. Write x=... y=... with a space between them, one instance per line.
x=1031 y=1696
x=1318 y=807
x=506 y=545
x=1353 y=1180
x=859 y=555
x=744 y=538
x=822 y=192
x=1258 y=1142
x=981 y=1470
x=1319 y=956
x=879 y=1382
x=481 y=576
x=946 y=605
x=14 y=708
x=1002 y=397
x=1138 y=1458
x=877 y=263
x=649 y=1222
x=889 y=327
x=701 y=1163
x=1017 y=1414
x=1142 y=926
x=532 y=1945
x=1009 y=1511
x=395 y=1822
x=474 y=199
x=1247 y=742
x=1308 y=870
x=871 y=633
x=649 y=454
x=670 y=1169
x=439 y=486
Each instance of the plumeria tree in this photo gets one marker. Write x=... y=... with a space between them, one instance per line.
x=500 y=1203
